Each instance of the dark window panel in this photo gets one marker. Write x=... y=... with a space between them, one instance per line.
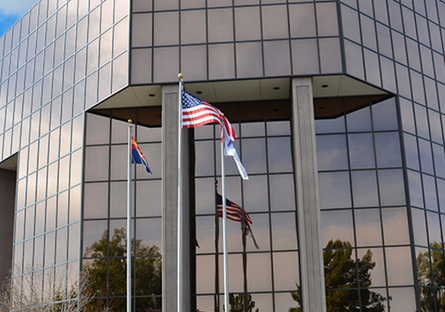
x=361 y=151
x=413 y=54
x=409 y=23
x=118 y=156
x=205 y=201
x=284 y=231
x=302 y=20
x=259 y=273
x=193 y=27
x=221 y=61
x=148 y=198
x=419 y=227
x=305 y=56
x=142 y=29
x=403 y=81
x=368 y=229
x=430 y=195
x=279 y=155
x=61 y=245
x=354 y=59
x=417 y=87
x=74 y=214
x=351 y=28
x=368 y=32
x=331 y=152
x=388 y=150
x=327 y=21
x=93 y=231
x=96 y=200
x=391 y=187
x=399 y=266
x=249 y=60
x=407 y=114
x=149 y=232
x=166 y=25
x=50 y=248
x=254 y=155
x=40 y=218
x=364 y=188
x=372 y=67
x=276 y=58
x=93 y=24
x=104 y=82
x=395 y=226
x=385 y=115
x=334 y=190
x=91 y=90
x=426 y=159
x=205 y=277
x=388 y=74
x=107 y=15
x=434 y=234
x=193 y=62
x=73 y=242
x=343 y=229
x=439 y=160
x=377 y=273
x=431 y=94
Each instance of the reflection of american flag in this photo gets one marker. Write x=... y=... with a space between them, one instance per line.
x=196 y=112
x=237 y=214
x=234 y=212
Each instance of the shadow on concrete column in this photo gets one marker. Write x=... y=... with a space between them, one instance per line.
x=7 y=202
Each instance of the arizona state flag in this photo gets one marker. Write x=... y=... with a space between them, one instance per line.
x=136 y=155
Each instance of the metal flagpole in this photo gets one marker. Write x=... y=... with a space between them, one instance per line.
x=180 y=212
x=216 y=235
x=223 y=187
x=129 y=220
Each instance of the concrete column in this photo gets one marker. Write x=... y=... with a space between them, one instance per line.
x=306 y=187
x=7 y=200
x=170 y=115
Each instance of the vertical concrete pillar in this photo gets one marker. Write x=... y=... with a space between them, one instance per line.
x=170 y=115
x=7 y=201
x=308 y=208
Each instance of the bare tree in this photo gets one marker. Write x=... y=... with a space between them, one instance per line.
x=43 y=291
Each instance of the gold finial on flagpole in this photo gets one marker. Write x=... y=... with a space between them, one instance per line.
x=130 y=121
x=180 y=76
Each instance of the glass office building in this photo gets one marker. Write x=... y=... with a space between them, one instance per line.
x=339 y=111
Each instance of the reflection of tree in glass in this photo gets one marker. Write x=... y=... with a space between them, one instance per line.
x=437 y=278
x=237 y=303
x=147 y=267
x=343 y=272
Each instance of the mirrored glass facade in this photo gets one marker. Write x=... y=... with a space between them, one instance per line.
x=72 y=72
x=265 y=277
x=105 y=209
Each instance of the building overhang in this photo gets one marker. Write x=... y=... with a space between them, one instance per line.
x=243 y=90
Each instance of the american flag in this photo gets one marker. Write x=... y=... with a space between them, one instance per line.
x=196 y=112
x=237 y=214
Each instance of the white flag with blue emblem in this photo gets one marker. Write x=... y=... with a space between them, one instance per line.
x=229 y=150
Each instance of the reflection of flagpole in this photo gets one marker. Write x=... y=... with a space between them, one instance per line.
x=216 y=300
x=180 y=212
x=223 y=186
x=129 y=220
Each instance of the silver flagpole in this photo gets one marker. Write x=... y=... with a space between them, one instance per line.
x=223 y=186
x=180 y=212
x=129 y=220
